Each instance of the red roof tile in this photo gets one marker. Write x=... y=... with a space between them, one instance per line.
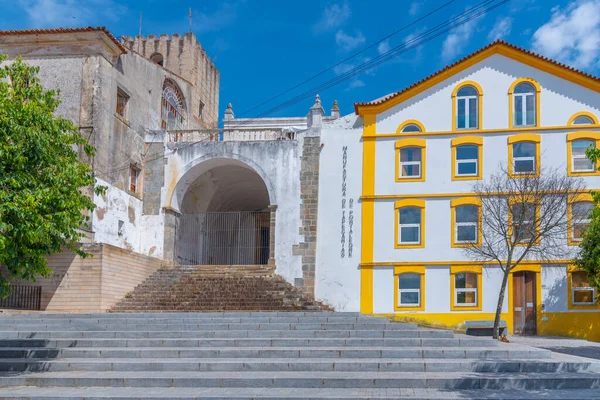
x=65 y=30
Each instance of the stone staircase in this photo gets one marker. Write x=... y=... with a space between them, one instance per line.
x=216 y=288
x=271 y=355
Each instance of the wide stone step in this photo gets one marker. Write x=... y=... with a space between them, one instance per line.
x=46 y=393
x=285 y=364
x=183 y=320
x=305 y=379
x=404 y=333
x=45 y=315
x=499 y=353
x=251 y=342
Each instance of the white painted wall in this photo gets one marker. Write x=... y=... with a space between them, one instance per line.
x=337 y=279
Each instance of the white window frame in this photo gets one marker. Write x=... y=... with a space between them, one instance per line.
x=467 y=112
x=457 y=224
x=523 y=97
x=400 y=291
x=465 y=290
x=515 y=159
x=400 y=226
x=579 y=157
x=402 y=163
x=583 y=289
x=467 y=161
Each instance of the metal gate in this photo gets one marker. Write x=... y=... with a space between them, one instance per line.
x=23 y=298
x=224 y=238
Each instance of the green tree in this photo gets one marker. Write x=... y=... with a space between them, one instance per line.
x=588 y=258
x=42 y=181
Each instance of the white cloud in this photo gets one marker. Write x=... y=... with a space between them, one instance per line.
x=334 y=15
x=572 y=35
x=356 y=83
x=384 y=47
x=343 y=68
x=501 y=28
x=414 y=8
x=458 y=39
x=224 y=15
x=347 y=41
x=69 y=13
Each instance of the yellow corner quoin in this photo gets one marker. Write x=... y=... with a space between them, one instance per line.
x=410 y=122
x=473 y=269
x=479 y=89
x=413 y=142
x=524 y=137
x=583 y=197
x=368 y=213
x=595 y=136
x=511 y=106
x=409 y=203
x=464 y=201
x=413 y=269
x=467 y=140
x=583 y=114
x=571 y=306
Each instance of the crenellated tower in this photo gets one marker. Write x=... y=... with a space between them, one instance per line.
x=185 y=57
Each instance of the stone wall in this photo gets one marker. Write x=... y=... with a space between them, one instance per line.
x=309 y=195
x=92 y=284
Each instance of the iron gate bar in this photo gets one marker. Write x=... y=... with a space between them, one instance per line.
x=23 y=297
x=224 y=238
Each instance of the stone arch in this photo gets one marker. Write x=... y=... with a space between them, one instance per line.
x=157 y=58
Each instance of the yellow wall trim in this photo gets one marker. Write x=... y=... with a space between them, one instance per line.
x=435 y=195
x=467 y=140
x=537 y=268
x=476 y=269
x=524 y=138
x=523 y=263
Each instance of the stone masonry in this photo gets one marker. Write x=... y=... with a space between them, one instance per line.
x=309 y=194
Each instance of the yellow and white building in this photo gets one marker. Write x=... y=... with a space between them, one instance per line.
x=408 y=162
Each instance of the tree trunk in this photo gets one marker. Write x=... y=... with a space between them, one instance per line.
x=496 y=332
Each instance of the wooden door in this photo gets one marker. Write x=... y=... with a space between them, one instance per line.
x=524 y=303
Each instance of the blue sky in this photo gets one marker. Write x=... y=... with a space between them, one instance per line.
x=264 y=47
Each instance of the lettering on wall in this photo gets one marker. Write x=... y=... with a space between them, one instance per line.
x=350 y=203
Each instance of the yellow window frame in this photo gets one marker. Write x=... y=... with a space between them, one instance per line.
x=511 y=106
x=571 y=306
x=409 y=203
x=474 y=269
x=513 y=201
x=412 y=142
x=468 y=140
x=583 y=114
x=520 y=138
x=410 y=122
x=464 y=201
x=413 y=269
x=595 y=136
x=579 y=198
x=479 y=89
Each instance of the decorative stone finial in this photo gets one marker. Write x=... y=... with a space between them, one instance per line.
x=335 y=110
x=315 y=117
x=317 y=103
x=229 y=113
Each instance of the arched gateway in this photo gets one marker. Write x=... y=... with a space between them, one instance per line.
x=225 y=217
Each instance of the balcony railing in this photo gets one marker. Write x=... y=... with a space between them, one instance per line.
x=247 y=135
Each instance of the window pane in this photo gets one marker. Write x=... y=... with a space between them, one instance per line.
x=579 y=229
x=582 y=209
x=467 y=90
x=583 y=296
x=409 y=235
x=580 y=146
x=461 y=298
x=461 y=117
x=460 y=280
x=466 y=233
x=525 y=87
x=582 y=119
x=467 y=168
x=518 y=111
x=465 y=280
x=409 y=281
x=411 y=128
x=582 y=164
x=524 y=149
x=409 y=298
x=522 y=166
x=472 y=113
x=528 y=212
x=410 y=154
x=467 y=152
x=579 y=279
x=469 y=298
x=411 y=170
x=530 y=104
x=410 y=215
x=467 y=213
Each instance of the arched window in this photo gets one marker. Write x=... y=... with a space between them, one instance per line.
x=410 y=288
x=583 y=118
x=466 y=222
x=524 y=103
x=577 y=144
x=410 y=160
x=410 y=224
x=173 y=112
x=157 y=58
x=524 y=155
x=411 y=128
x=411 y=125
x=467 y=107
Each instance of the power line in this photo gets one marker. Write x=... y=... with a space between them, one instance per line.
x=350 y=57
x=454 y=22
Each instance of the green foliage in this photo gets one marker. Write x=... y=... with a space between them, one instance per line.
x=42 y=204
x=589 y=255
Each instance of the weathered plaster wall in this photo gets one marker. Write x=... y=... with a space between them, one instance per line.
x=337 y=276
x=276 y=162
